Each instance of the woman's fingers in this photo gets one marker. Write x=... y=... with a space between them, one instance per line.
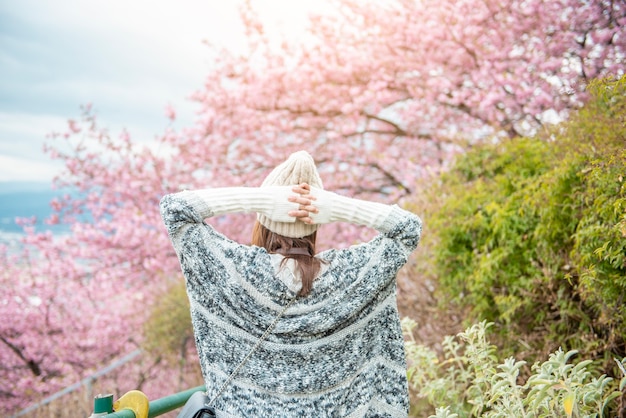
x=302 y=215
x=305 y=203
x=305 y=208
x=307 y=220
x=303 y=189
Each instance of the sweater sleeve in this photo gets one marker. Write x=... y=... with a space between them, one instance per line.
x=395 y=223
x=336 y=208
x=192 y=207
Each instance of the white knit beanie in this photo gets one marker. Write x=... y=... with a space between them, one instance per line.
x=298 y=168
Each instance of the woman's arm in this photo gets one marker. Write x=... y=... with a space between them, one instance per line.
x=192 y=207
x=317 y=206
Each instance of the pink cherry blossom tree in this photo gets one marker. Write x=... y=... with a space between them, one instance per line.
x=393 y=89
x=383 y=94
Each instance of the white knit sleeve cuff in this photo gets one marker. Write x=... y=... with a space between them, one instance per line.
x=336 y=208
x=269 y=201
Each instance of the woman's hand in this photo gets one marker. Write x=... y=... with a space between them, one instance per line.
x=305 y=201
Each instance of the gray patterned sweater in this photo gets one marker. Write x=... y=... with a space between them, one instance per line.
x=337 y=352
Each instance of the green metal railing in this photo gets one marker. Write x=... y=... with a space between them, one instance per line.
x=158 y=406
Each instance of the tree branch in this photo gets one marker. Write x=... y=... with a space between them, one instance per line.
x=32 y=365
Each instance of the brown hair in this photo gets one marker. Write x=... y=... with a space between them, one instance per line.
x=306 y=261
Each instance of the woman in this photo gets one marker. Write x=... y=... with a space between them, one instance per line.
x=337 y=350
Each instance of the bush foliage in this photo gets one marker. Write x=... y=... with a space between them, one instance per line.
x=168 y=331
x=532 y=233
x=471 y=381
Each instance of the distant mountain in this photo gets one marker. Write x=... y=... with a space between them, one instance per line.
x=24 y=186
x=25 y=200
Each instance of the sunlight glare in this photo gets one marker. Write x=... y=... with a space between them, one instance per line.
x=287 y=17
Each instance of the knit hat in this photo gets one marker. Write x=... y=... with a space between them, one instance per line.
x=298 y=168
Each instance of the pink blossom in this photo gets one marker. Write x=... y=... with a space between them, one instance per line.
x=170 y=112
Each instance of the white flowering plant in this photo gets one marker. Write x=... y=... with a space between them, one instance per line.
x=469 y=380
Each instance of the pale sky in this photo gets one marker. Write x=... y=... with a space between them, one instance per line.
x=129 y=58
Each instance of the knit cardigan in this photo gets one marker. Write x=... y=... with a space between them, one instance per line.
x=337 y=352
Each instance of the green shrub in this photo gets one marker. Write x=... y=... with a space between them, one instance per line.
x=471 y=381
x=168 y=331
x=532 y=234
